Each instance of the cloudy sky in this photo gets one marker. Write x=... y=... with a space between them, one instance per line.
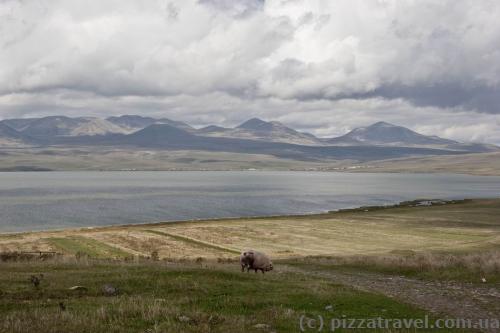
x=324 y=66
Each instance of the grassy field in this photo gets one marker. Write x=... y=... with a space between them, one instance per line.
x=184 y=277
x=159 y=297
x=78 y=245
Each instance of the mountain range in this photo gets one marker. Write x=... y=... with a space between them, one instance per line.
x=378 y=141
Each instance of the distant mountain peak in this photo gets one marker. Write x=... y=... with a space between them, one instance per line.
x=383 y=124
x=159 y=134
x=274 y=131
x=212 y=128
x=135 y=122
x=256 y=124
x=384 y=133
x=378 y=126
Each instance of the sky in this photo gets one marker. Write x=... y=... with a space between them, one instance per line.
x=322 y=66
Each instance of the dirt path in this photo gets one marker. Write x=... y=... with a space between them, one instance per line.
x=443 y=298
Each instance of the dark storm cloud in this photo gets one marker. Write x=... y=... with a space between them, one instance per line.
x=481 y=99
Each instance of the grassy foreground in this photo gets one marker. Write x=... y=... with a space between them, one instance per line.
x=159 y=297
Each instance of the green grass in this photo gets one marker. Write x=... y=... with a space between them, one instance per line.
x=153 y=298
x=193 y=241
x=86 y=246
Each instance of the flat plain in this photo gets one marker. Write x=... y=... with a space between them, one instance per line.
x=112 y=159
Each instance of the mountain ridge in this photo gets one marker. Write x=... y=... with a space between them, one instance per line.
x=163 y=136
x=129 y=128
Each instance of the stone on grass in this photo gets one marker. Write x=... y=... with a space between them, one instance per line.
x=184 y=319
x=262 y=326
x=109 y=290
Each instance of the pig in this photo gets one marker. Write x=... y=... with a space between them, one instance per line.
x=255 y=260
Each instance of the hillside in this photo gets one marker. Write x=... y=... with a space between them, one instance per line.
x=9 y=137
x=61 y=126
x=133 y=123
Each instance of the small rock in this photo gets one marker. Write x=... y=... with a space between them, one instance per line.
x=215 y=320
x=329 y=307
x=109 y=290
x=261 y=326
x=184 y=319
x=79 y=288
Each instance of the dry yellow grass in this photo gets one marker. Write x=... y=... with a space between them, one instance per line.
x=464 y=226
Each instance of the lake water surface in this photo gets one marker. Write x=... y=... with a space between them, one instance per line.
x=50 y=200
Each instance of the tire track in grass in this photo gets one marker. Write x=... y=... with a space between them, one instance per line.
x=89 y=246
x=193 y=241
x=450 y=299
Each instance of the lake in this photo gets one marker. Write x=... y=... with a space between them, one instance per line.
x=53 y=200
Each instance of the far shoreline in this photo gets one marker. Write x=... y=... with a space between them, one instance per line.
x=364 y=170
